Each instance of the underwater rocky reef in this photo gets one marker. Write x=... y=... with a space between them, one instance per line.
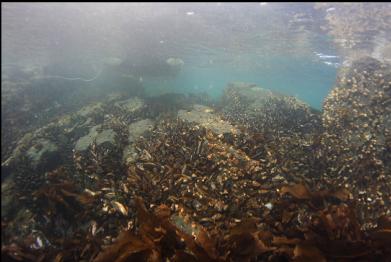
x=260 y=176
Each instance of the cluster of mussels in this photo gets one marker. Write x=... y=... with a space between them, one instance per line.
x=261 y=110
x=138 y=182
x=357 y=131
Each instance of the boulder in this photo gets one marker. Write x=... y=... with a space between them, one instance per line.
x=357 y=120
x=139 y=128
x=205 y=116
x=264 y=110
x=107 y=136
x=89 y=110
x=136 y=130
x=46 y=147
x=98 y=151
x=130 y=105
x=42 y=152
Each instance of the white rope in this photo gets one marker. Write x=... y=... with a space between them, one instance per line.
x=76 y=78
x=63 y=77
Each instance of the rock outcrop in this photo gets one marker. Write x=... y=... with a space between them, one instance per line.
x=205 y=117
x=357 y=120
x=263 y=110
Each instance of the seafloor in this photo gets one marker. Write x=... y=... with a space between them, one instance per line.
x=258 y=177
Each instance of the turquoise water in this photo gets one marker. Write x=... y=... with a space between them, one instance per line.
x=304 y=77
x=271 y=45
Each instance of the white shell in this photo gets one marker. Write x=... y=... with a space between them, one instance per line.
x=269 y=206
